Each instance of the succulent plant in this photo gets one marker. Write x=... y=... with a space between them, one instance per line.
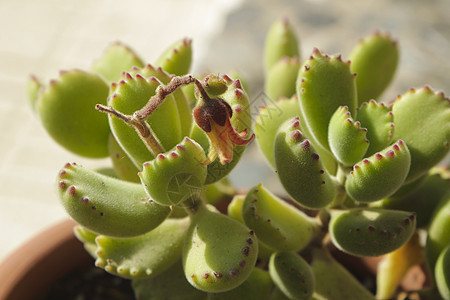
x=360 y=175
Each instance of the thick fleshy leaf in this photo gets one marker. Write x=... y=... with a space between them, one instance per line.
x=170 y=284
x=124 y=168
x=438 y=237
x=374 y=60
x=340 y=284
x=67 y=110
x=281 y=41
x=346 y=138
x=268 y=121
x=276 y=223
x=324 y=83
x=380 y=175
x=143 y=256
x=378 y=119
x=257 y=286
x=300 y=168
x=442 y=273
x=422 y=120
x=371 y=232
x=281 y=78
x=116 y=59
x=292 y=275
x=174 y=176
x=176 y=59
x=182 y=102
x=107 y=205
x=131 y=94
x=219 y=253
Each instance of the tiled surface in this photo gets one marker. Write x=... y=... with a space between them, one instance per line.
x=45 y=36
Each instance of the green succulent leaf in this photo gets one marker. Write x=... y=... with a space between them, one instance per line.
x=107 y=205
x=219 y=253
x=378 y=119
x=87 y=237
x=442 y=273
x=116 y=59
x=176 y=175
x=438 y=237
x=380 y=175
x=170 y=284
x=143 y=256
x=324 y=83
x=66 y=108
x=422 y=120
x=374 y=60
x=131 y=94
x=124 y=168
x=176 y=59
x=334 y=281
x=370 y=231
x=346 y=138
x=182 y=102
x=425 y=197
x=281 y=41
x=257 y=286
x=282 y=77
x=268 y=121
x=292 y=275
x=275 y=222
x=300 y=168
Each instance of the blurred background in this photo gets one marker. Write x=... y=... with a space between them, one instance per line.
x=43 y=37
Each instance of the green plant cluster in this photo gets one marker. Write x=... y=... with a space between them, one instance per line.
x=360 y=175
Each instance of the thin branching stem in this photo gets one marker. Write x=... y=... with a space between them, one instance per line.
x=138 y=118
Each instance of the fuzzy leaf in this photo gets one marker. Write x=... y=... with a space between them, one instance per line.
x=281 y=78
x=424 y=198
x=268 y=121
x=374 y=60
x=219 y=253
x=378 y=119
x=143 y=256
x=174 y=176
x=257 y=286
x=116 y=59
x=67 y=110
x=170 y=284
x=292 y=275
x=281 y=41
x=334 y=281
x=442 y=273
x=182 y=103
x=438 y=237
x=130 y=95
x=276 y=223
x=346 y=138
x=107 y=205
x=124 y=168
x=371 y=232
x=324 y=83
x=380 y=175
x=300 y=168
x=176 y=59
x=422 y=120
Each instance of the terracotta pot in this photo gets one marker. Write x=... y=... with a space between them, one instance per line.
x=29 y=272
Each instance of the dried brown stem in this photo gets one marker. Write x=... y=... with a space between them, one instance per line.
x=137 y=120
